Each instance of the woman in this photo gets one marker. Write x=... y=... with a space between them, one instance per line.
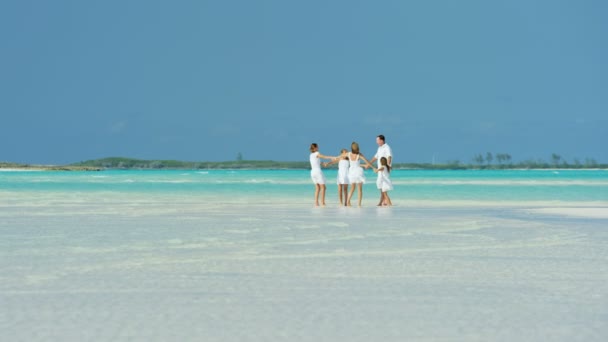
x=355 y=172
x=317 y=174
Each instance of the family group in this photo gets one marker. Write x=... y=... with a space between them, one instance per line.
x=350 y=172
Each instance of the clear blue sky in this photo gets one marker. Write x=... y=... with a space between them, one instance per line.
x=204 y=80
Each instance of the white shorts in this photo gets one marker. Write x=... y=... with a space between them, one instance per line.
x=317 y=176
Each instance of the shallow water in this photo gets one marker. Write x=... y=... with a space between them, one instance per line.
x=513 y=185
x=144 y=256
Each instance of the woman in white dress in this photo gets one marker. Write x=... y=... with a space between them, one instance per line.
x=316 y=174
x=355 y=171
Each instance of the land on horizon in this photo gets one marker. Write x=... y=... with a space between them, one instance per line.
x=132 y=163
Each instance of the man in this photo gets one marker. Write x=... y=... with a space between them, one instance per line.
x=383 y=151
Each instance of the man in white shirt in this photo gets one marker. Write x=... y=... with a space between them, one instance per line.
x=383 y=151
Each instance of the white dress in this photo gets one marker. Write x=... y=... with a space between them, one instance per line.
x=343 y=171
x=384 y=180
x=316 y=174
x=355 y=172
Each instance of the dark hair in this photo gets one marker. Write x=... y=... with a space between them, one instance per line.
x=381 y=137
x=313 y=146
x=344 y=156
x=384 y=162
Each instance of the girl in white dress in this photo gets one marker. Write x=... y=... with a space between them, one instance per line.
x=342 y=175
x=355 y=171
x=384 y=181
x=316 y=174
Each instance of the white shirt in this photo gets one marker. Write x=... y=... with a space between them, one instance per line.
x=315 y=162
x=384 y=151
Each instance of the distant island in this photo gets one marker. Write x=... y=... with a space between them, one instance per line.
x=37 y=167
x=502 y=161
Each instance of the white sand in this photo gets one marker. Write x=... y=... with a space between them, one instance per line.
x=77 y=267
x=598 y=213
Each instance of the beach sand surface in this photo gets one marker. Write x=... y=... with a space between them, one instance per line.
x=136 y=267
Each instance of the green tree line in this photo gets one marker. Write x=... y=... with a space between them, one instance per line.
x=504 y=160
x=130 y=163
x=479 y=161
x=486 y=160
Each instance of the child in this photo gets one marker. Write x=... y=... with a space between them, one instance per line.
x=384 y=182
x=316 y=174
x=342 y=175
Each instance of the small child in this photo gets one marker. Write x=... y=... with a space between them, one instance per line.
x=343 y=165
x=384 y=181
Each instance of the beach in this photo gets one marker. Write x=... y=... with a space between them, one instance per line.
x=246 y=257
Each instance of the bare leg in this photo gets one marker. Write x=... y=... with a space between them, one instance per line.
x=352 y=191
x=323 y=188
x=340 y=187
x=345 y=190
x=387 y=199
x=360 y=186
x=381 y=198
x=317 y=189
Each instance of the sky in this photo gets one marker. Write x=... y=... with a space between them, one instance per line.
x=206 y=80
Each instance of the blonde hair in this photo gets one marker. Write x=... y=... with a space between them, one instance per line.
x=354 y=147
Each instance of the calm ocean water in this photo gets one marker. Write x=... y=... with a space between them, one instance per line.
x=219 y=255
x=471 y=185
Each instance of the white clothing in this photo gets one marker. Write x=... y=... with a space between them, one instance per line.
x=355 y=171
x=316 y=174
x=384 y=182
x=343 y=172
x=315 y=161
x=384 y=151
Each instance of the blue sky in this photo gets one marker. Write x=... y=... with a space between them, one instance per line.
x=205 y=80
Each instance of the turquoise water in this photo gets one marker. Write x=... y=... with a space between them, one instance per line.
x=216 y=255
x=470 y=185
